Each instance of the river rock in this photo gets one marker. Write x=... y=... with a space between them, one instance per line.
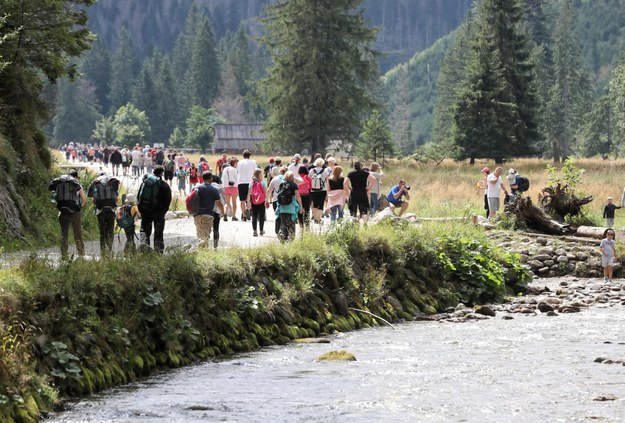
x=562 y=259
x=608 y=397
x=544 y=307
x=543 y=270
x=552 y=313
x=600 y=359
x=542 y=257
x=541 y=241
x=561 y=252
x=507 y=317
x=568 y=309
x=546 y=250
x=523 y=258
x=485 y=310
x=535 y=264
x=571 y=256
x=549 y=262
x=340 y=355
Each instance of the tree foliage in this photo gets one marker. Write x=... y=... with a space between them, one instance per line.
x=201 y=127
x=376 y=138
x=130 y=125
x=319 y=87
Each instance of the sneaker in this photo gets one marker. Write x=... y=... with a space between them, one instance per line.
x=255 y=233
x=234 y=219
x=225 y=218
x=605 y=280
x=262 y=233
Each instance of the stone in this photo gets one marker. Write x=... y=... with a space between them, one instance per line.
x=564 y=283
x=523 y=258
x=571 y=256
x=542 y=257
x=600 y=359
x=543 y=270
x=546 y=250
x=544 y=307
x=568 y=309
x=552 y=313
x=562 y=259
x=340 y=355
x=507 y=317
x=608 y=397
x=312 y=341
x=541 y=241
x=460 y=307
x=535 y=264
x=561 y=252
x=549 y=262
x=485 y=310
x=581 y=256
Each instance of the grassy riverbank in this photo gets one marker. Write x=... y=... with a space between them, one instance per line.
x=88 y=325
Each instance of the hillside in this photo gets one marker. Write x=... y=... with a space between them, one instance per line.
x=406 y=26
x=600 y=29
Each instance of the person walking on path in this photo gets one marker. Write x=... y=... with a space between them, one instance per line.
x=137 y=161
x=608 y=212
x=70 y=198
x=319 y=188
x=304 y=188
x=116 y=161
x=246 y=168
x=218 y=211
x=495 y=186
x=154 y=201
x=272 y=195
x=337 y=194
x=397 y=197
x=132 y=210
x=181 y=176
x=288 y=210
x=608 y=254
x=256 y=202
x=356 y=183
x=374 y=187
x=229 y=179
x=104 y=192
x=209 y=199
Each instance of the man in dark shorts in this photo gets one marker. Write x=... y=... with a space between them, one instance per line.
x=169 y=166
x=357 y=181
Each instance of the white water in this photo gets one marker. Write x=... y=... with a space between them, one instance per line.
x=530 y=369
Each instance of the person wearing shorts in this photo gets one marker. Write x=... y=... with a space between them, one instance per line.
x=229 y=179
x=318 y=196
x=495 y=186
x=246 y=168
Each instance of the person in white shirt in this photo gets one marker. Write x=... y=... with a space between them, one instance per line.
x=137 y=161
x=246 y=168
x=495 y=186
x=295 y=164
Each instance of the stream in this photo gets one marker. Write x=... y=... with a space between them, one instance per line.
x=532 y=368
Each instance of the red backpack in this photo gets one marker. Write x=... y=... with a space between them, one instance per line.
x=193 y=202
x=258 y=192
x=305 y=187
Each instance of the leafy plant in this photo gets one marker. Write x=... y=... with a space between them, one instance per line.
x=63 y=363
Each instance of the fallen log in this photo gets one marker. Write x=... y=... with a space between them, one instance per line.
x=591 y=231
x=536 y=218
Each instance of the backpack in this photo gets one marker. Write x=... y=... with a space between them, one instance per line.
x=257 y=193
x=148 y=193
x=305 y=186
x=202 y=167
x=124 y=217
x=66 y=189
x=193 y=202
x=104 y=191
x=523 y=184
x=318 y=182
x=169 y=165
x=285 y=194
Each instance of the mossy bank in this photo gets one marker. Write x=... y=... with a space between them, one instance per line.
x=88 y=325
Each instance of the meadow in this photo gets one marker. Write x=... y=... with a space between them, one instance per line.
x=449 y=189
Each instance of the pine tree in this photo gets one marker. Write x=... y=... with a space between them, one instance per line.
x=598 y=131
x=616 y=90
x=377 y=139
x=324 y=65
x=229 y=103
x=130 y=126
x=76 y=111
x=123 y=69
x=570 y=94
x=495 y=111
x=204 y=73
x=201 y=127
x=96 y=67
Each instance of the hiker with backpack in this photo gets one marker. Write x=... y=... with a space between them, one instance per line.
x=125 y=217
x=154 y=200
x=256 y=202
x=218 y=212
x=272 y=194
x=289 y=206
x=194 y=176
x=304 y=188
x=229 y=179
x=169 y=167
x=246 y=168
x=357 y=183
x=201 y=203
x=70 y=199
x=104 y=191
x=318 y=188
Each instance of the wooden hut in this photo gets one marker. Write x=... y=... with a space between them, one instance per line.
x=234 y=138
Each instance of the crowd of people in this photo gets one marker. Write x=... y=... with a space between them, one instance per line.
x=299 y=192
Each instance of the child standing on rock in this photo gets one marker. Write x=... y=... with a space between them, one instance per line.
x=608 y=213
x=608 y=253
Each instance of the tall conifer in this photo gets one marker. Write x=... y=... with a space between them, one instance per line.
x=123 y=70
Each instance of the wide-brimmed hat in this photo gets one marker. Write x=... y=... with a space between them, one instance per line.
x=130 y=198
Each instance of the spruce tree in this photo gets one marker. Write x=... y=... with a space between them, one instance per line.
x=123 y=68
x=570 y=93
x=495 y=111
x=319 y=87
x=377 y=139
x=76 y=111
x=204 y=70
x=96 y=67
x=598 y=132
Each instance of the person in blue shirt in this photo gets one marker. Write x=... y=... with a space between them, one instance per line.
x=209 y=199
x=397 y=197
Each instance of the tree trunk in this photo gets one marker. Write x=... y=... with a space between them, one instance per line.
x=535 y=218
x=555 y=148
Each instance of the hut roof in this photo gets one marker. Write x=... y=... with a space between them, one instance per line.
x=238 y=137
